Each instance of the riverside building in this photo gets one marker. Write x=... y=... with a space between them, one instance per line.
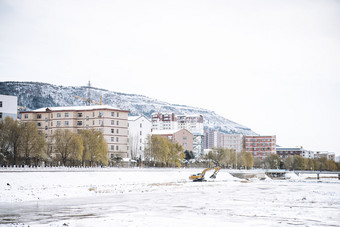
x=112 y=122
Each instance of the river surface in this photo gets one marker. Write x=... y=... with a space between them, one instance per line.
x=258 y=203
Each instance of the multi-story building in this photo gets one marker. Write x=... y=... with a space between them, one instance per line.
x=232 y=141
x=194 y=124
x=8 y=106
x=284 y=152
x=307 y=154
x=164 y=121
x=212 y=139
x=181 y=136
x=260 y=146
x=139 y=131
x=324 y=154
x=113 y=123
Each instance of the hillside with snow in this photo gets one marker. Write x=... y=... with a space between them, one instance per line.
x=34 y=95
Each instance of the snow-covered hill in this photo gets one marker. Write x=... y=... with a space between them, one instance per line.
x=34 y=95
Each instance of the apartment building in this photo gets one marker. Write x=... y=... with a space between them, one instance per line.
x=284 y=152
x=260 y=146
x=113 y=123
x=232 y=141
x=212 y=139
x=324 y=154
x=181 y=136
x=193 y=123
x=8 y=106
x=139 y=131
x=164 y=121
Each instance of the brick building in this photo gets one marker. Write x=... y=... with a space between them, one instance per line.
x=260 y=146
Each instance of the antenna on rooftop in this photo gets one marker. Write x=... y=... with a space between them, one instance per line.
x=88 y=102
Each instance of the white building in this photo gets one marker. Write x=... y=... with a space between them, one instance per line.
x=232 y=141
x=193 y=123
x=164 y=121
x=307 y=154
x=139 y=130
x=8 y=106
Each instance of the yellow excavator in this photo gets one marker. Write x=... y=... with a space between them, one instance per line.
x=200 y=176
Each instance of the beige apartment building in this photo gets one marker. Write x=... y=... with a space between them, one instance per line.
x=181 y=136
x=113 y=123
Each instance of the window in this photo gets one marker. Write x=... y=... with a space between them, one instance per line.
x=140 y=125
x=112 y=130
x=112 y=122
x=38 y=124
x=58 y=123
x=46 y=127
x=100 y=129
x=87 y=118
x=52 y=123
x=46 y=120
x=0 y=115
x=79 y=123
x=66 y=115
x=184 y=144
x=184 y=138
x=51 y=115
x=117 y=114
x=58 y=114
x=112 y=148
x=117 y=130
x=112 y=114
x=0 y=103
x=117 y=148
x=101 y=113
x=140 y=132
x=39 y=116
x=66 y=123
x=117 y=138
x=26 y=116
x=80 y=114
x=100 y=122
x=112 y=139
x=117 y=122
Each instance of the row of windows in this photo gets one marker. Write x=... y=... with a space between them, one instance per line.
x=101 y=113
x=79 y=123
x=113 y=147
x=263 y=140
x=254 y=149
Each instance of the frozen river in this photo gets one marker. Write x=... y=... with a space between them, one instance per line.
x=164 y=198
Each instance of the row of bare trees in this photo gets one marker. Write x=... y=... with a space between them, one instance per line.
x=22 y=144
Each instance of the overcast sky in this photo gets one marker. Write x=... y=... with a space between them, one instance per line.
x=272 y=65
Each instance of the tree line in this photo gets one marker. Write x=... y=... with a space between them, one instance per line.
x=161 y=152
x=21 y=143
x=228 y=158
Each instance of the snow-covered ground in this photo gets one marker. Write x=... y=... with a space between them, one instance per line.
x=163 y=197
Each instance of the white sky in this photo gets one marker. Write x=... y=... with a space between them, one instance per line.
x=272 y=65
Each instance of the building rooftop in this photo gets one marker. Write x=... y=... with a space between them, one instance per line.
x=76 y=108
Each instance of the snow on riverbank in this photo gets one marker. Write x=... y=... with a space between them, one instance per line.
x=26 y=186
x=163 y=197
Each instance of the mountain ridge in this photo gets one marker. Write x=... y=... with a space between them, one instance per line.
x=33 y=95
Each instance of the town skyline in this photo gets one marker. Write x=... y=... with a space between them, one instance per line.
x=270 y=66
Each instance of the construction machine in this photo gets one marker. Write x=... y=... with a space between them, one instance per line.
x=200 y=176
